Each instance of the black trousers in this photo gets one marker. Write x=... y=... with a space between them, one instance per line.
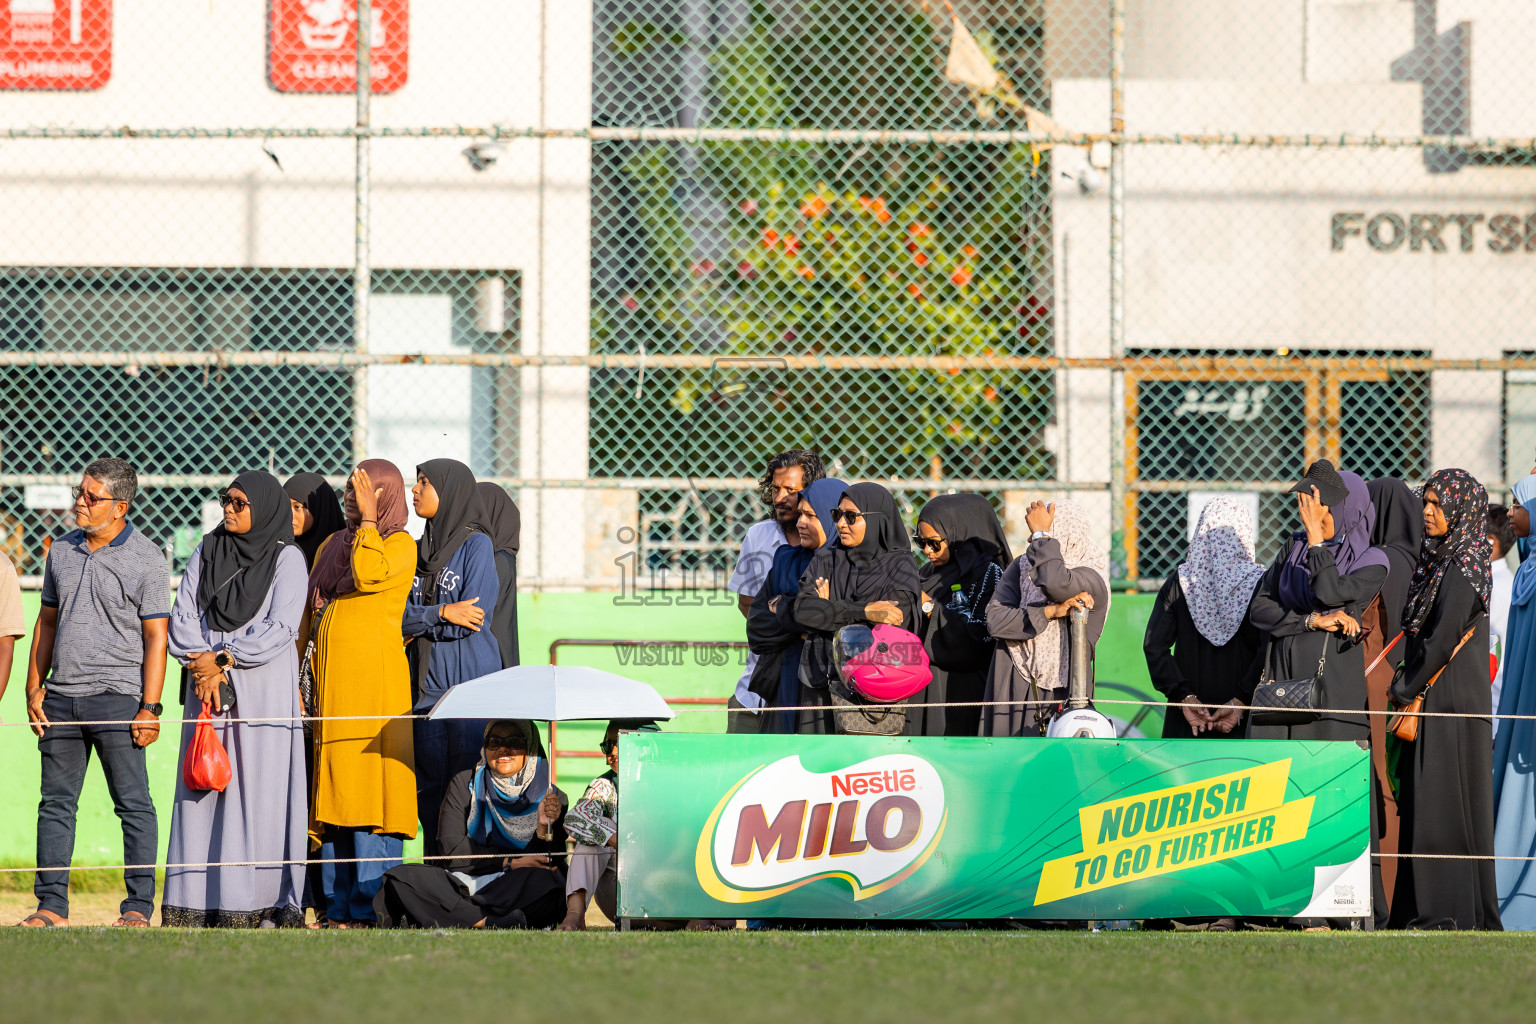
x=424 y=896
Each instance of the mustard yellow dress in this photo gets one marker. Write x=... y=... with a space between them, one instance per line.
x=365 y=774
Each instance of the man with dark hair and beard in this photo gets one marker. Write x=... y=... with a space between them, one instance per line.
x=786 y=475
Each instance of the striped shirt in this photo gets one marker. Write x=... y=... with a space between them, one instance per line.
x=103 y=598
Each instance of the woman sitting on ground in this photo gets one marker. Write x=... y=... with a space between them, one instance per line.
x=500 y=821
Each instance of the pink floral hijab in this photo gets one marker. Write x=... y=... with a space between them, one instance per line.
x=1219 y=577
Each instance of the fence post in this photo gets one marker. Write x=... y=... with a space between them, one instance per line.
x=362 y=281
x=1117 y=496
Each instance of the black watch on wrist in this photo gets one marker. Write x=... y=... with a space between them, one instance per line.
x=155 y=709
x=223 y=660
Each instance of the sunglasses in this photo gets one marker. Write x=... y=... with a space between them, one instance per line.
x=506 y=742
x=238 y=504
x=841 y=515
x=608 y=746
x=91 y=500
x=928 y=543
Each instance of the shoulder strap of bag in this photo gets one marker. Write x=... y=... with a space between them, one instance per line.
x=1434 y=678
x=1387 y=650
x=1264 y=674
x=1264 y=670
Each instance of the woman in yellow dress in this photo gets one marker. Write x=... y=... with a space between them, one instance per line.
x=364 y=800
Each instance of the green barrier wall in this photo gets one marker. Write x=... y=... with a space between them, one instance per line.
x=542 y=618
x=816 y=827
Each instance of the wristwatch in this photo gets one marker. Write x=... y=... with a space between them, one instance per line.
x=1039 y=535
x=223 y=660
x=155 y=709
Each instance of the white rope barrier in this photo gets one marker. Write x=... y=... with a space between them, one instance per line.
x=704 y=710
x=1165 y=705
x=567 y=854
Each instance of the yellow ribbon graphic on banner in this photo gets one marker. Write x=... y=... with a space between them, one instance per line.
x=1180 y=827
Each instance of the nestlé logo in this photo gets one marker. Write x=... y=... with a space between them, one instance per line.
x=871 y=824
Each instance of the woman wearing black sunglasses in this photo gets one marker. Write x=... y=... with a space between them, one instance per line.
x=866 y=575
x=233 y=628
x=500 y=823
x=963 y=541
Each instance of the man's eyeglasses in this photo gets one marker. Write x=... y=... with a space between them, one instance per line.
x=81 y=494
x=928 y=543
x=513 y=743
x=608 y=747
x=228 y=501
x=842 y=515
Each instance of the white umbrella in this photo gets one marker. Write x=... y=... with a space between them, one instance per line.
x=552 y=693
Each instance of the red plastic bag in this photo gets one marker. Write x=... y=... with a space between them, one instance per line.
x=207 y=763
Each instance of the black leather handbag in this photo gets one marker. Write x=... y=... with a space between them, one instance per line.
x=1289 y=701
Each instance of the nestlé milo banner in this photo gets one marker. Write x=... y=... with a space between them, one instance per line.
x=877 y=827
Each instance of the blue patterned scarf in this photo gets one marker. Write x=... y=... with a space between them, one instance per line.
x=504 y=809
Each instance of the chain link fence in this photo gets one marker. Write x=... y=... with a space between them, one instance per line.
x=615 y=254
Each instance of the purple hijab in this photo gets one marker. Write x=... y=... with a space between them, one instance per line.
x=1353 y=519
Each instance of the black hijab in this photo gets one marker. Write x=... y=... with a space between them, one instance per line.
x=504 y=524
x=1464 y=545
x=503 y=521
x=881 y=565
x=1399 y=531
x=459 y=514
x=975 y=537
x=238 y=568
x=311 y=491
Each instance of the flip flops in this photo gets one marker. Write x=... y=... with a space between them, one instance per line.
x=48 y=922
x=131 y=919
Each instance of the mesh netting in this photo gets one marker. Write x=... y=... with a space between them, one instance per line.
x=619 y=255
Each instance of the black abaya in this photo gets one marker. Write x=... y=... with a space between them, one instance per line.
x=960 y=655
x=1183 y=663
x=1446 y=794
x=879 y=568
x=1294 y=650
x=429 y=896
x=954 y=631
x=504 y=618
x=504 y=523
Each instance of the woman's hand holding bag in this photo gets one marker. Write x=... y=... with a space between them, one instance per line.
x=207 y=763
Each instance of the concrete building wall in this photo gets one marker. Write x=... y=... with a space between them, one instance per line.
x=1293 y=249
x=157 y=203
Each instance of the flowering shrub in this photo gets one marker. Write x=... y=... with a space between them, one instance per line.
x=754 y=251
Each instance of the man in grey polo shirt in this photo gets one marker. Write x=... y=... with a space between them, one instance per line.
x=98 y=655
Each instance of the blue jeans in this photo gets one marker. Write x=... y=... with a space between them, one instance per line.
x=350 y=888
x=444 y=747
x=66 y=751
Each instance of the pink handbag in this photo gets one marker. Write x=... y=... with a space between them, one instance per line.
x=882 y=664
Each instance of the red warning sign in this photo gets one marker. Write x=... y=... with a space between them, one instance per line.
x=55 y=44
x=312 y=45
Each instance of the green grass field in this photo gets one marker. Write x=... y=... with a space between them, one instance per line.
x=745 y=977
